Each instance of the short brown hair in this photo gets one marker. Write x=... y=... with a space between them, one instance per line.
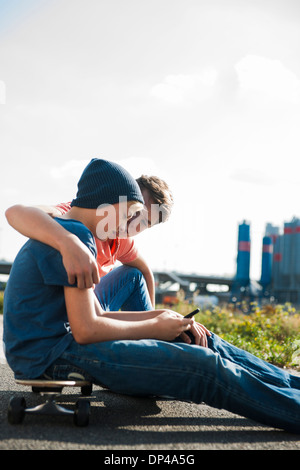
x=159 y=192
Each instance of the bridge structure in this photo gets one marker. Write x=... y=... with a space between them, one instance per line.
x=183 y=279
x=202 y=283
x=5 y=267
x=188 y=283
x=168 y=283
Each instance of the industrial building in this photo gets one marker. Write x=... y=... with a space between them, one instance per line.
x=280 y=264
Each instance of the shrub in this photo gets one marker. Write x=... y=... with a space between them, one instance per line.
x=269 y=332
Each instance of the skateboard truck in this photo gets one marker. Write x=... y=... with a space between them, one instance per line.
x=50 y=390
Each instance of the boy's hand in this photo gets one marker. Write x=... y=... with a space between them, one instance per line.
x=171 y=324
x=79 y=263
x=200 y=334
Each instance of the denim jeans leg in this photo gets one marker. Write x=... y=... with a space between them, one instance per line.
x=190 y=373
x=123 y=288
x=263 y=370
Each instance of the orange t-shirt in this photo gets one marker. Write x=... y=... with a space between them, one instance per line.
x=109 y=251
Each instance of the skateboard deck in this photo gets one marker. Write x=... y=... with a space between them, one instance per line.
x=51 y=390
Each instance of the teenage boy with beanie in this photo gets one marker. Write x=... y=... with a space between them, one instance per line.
x=53 y=329
x=40 y=317
x=81 y=267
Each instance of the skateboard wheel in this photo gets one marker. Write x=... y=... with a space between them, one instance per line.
x=16 y=410
x=87 y=390
x=82 y=413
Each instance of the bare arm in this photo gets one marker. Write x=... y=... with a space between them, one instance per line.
x=141 y=264
x=89 y=324
x=35 y=223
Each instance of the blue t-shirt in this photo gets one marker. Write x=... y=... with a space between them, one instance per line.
x=35 y=322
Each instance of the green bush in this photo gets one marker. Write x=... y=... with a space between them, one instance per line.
x=271 y=332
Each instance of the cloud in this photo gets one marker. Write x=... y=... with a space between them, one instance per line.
x=252 y=176
x=71 y=169
x=183 y=89
x=268 y=78
x=138 y=166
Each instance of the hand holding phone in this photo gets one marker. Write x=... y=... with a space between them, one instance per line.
x=191 y=314
x=200 y=330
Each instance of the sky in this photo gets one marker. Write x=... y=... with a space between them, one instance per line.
x=203 y=93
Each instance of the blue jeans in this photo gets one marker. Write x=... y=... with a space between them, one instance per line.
x=221 y=375
x=124 y=288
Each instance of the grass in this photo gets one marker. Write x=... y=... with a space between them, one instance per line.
x=271 y=332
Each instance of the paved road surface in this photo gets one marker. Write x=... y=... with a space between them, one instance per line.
x=121 y=423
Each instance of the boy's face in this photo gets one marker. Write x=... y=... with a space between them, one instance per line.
x=113 y=219
x=126 y=219
x=145 y=218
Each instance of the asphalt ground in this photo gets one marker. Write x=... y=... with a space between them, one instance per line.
x=122 y=425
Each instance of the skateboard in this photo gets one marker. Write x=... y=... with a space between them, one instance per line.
x=51 y=390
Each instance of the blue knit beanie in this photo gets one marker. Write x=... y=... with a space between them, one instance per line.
x=103 y=182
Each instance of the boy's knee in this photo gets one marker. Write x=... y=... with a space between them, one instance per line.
x=134 y=273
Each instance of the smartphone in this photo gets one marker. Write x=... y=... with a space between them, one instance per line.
x=191 y=314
